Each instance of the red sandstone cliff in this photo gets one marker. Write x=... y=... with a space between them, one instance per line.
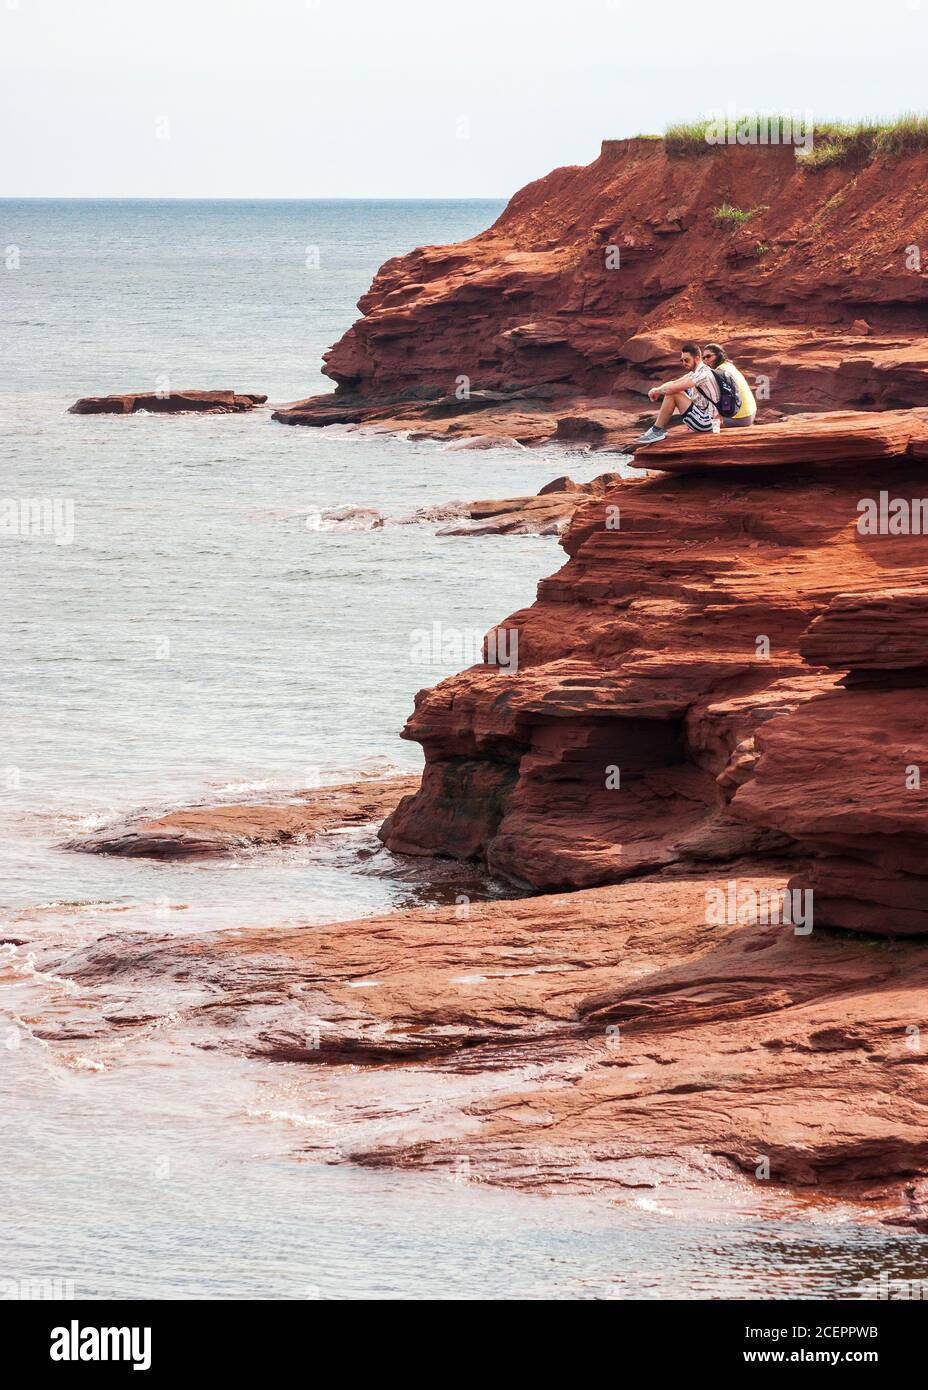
x=694 y=641
x=670 y=640
x=815 y=291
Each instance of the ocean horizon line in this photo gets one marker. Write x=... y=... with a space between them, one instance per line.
x=234 y=198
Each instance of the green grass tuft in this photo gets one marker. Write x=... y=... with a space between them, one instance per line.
x=905 y=135
x=687 y=138
x=825 y=154
x=860 y=142
x=728 y=216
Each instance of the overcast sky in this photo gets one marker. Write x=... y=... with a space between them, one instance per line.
x=418 y=98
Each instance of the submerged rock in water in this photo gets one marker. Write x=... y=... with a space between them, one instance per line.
x=210 y=830
x=352 y=519
x=545 y=514
x=482 y=441
x=169 y=403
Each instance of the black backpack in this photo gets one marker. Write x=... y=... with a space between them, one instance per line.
x=729 y=401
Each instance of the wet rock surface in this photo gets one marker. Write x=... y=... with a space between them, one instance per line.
x=545 y=514
x=610 y=1039
x=213 y=830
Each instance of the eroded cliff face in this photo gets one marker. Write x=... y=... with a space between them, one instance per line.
x=682 y=694
x=592 y=276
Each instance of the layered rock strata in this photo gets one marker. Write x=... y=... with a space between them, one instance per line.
x=682 y=692
x=842 y=776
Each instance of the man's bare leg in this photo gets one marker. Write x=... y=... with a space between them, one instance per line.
x=679 y=403
x=672 y=400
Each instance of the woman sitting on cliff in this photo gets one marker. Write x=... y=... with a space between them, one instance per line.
x=695 y=395
x=719 y=361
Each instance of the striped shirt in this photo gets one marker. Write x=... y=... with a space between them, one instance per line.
x=702 y=415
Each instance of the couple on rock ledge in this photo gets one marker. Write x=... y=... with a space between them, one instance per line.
x=711 y=392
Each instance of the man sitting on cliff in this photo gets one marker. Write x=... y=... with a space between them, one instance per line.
x=694 y=395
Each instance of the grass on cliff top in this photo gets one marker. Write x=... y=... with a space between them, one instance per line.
x=833 y=142
x=702 y=137
x=838 y=143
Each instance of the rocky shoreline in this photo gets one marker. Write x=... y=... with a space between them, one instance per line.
x=605 y=1040
x=705 y=765
x=200 y=832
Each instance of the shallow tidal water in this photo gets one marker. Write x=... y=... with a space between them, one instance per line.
x=206 y=636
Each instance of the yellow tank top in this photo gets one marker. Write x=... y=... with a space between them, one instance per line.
x=748 y=403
